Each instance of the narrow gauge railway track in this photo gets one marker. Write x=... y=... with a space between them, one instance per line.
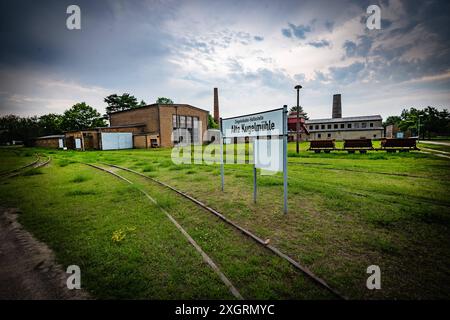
x=38 y=163
x=258 y=240
x=205 y=257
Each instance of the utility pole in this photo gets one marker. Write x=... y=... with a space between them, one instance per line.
x=297 y=127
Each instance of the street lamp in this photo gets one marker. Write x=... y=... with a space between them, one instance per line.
x=298 y=87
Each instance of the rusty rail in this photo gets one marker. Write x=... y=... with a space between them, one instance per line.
x=260 y=241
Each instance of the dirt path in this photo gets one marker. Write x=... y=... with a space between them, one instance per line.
x=27 y=267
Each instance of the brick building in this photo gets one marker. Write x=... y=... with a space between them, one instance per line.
x=53 y=141
x=159 y=123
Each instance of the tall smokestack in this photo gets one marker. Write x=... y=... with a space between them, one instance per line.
x=337 y=106
x=216 y=106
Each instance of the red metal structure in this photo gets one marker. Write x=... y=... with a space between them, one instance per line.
x=292 y=125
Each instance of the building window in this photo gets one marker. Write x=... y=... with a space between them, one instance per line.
x=189 y=122
x=371 y=124
x=364 y=125
x=319 y=136
x=374 y=135
x=329 y=135
x=322 y=127
x=329 y=126
x=311 y=127
x=317 y=127
x=183 y=122
x=336 y=126
x=174 y=121
x=349 y=125
x=356 y=125
x=342 y=126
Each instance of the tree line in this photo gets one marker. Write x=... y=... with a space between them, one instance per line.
x=79 y=116
x=427 y=122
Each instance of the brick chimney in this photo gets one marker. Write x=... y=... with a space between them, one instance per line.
x=337 y=106
x=216 y=106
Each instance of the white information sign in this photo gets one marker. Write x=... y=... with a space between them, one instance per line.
x=259 y=124
x=269 y=130
x=268 y=154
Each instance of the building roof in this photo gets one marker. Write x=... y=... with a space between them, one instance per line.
x=160 y=104
x=345 y=119
x=110 y=127
x=123 y=126
x=54 y=136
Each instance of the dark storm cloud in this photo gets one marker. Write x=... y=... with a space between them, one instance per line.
x=107 y=43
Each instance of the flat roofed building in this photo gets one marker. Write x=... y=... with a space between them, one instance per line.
x=363 y=127
x=170 y=123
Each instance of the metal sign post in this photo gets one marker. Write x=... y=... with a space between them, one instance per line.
x=221 y=156
x=254 y=171
x=285 y=186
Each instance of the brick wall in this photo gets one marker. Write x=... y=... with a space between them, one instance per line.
x=147 y=115
x=47 y=143
x=166 y=112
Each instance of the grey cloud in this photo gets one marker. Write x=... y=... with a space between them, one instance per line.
x=319 y=44
x=274 y=79
x=297 y=31
x=329 y=25
x=287 y=33
x=359 y=49
x=346 y=74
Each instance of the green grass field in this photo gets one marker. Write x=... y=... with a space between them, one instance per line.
x=346 y=212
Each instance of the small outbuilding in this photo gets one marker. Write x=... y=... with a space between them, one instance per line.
x=54 y=141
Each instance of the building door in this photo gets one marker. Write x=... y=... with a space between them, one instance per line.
x=77 y=143
x=116 y=140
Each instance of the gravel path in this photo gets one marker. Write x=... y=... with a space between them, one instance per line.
x=27 y=267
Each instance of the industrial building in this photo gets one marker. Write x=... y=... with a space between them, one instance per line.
x=339 y=128
x=159 y=123
x=155 y=125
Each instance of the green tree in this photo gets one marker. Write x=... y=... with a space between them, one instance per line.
x=51 y=124
x=13 y=127
x=164 y=100
x=428 y=121
x=211 y=123
x=300 y=108
x=81 y=116
x=395 y=120
x=123 y=102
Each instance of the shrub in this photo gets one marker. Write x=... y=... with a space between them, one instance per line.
x=80 y=178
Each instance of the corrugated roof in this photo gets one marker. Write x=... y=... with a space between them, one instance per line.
x=345 y=119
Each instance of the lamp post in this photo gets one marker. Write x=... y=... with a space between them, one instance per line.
x=297 y=127
x=418 y=128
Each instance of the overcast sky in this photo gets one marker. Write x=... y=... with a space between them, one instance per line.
x=255 y=52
